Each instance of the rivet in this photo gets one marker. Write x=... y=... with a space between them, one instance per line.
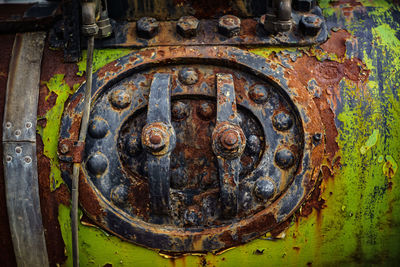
x=119 y=194
x=28 y=159
x=28 y=125
x=120 y=99
x=188 y=76
x=206 y=111
x=179 y=111
x=229 y=25
x=282 y=121
x=264 y=188
x=187 y=26
x=98 y=128
x=8 y=158
x=97 y=163
x=253 y=143
x=147 y=27
x=18 y=149
x=284 y=158
x=8 y=125
x=317 y=137
x=17 y=133
x=259 y=94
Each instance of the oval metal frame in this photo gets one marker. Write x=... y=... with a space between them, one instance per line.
x=171 y=239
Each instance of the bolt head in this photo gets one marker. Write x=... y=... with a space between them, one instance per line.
x=264 y=188
x=98 y=128
x=282 y=121
x=120 y=99
x=147 y=27
x=259 y=94
x=206 y=111
x=179 y=111
x=284 y=158
x=155 y=137
x=64 y=148
x=188 y=76
x=97 y=163
x=230 y=139
x=310 y=24
x=187 y=26
x=229 y=25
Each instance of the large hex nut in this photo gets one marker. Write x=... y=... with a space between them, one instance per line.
x=229 y=25
x=187 y=26
x=310 y=24
x=147 y=27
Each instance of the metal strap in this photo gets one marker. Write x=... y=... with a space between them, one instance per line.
x=19 y=154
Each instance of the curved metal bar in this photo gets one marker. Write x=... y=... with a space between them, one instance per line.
x=19 y=154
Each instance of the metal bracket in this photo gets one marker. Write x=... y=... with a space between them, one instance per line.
x=19 y=154
x=158 y=137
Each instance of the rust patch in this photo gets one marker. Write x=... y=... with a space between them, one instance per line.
x=7 y=257
x=337 y=43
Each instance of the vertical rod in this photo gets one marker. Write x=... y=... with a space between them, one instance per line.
x=82 y=137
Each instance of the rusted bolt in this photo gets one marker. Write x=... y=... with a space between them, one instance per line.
x=253 y=143
x=284 y=158
x=229 y=25
x=188 y=76
x=310 y=24
x=264 y=188
x=97 y=163
x=18 y=150
x=98 y=128
x=282 y=121
x=155 y=137
x=179 y=111
x=206 y=111
x=230 y=139
x=64 y=148
x=303 y=5
x=187 y=26
x=28 y=159
x=120 y=99
x=259 y=94
x=147 y=27
x=119 y=194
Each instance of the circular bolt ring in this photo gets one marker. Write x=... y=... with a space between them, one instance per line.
x=155 y=138
x=229 y=140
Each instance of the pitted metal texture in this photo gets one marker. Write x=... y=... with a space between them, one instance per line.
x=237 y=152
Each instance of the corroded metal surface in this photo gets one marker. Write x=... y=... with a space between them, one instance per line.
x=19 y=151
x=280 y=161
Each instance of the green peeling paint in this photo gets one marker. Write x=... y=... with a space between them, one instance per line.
x=370 y=142
x=100 y=58
x=50 y=132
x=360 y=225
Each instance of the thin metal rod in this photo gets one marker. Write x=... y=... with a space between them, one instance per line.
x=82 y=137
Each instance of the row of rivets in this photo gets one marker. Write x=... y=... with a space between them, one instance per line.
x=188 y=26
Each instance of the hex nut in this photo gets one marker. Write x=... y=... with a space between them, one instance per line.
x=310 y=24
x=147 y=27
x=187 y=26
x=229 y=25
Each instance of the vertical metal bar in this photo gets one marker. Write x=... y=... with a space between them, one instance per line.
x=19 y=150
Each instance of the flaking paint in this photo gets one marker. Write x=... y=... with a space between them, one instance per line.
x=360 y=223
